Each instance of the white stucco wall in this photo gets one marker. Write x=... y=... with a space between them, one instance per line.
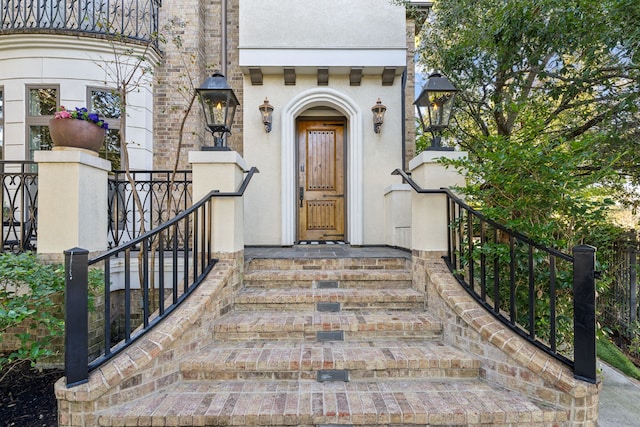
x=380 y=154
x=307 y=35
x=300 y=24
x=74 y=64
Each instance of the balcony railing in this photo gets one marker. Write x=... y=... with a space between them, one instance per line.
x=19 y=199
x=134 y=19
x=162 y=195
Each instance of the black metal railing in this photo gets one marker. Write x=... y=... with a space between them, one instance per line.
x=619 y=302
x=165 y=278
x=542 y=294
x=134 y=19
x=19 y=200
x=162 y=195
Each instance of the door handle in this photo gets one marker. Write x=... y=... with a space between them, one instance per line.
x=301 y=197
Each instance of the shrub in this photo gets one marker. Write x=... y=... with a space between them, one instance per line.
x=31 y=296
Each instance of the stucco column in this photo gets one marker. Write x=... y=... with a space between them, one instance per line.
x=72 y=201
x=222 y=171
x=429 y=211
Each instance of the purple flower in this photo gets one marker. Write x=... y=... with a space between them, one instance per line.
x=81 y=113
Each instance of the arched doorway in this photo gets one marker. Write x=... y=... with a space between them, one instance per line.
x=353 y=200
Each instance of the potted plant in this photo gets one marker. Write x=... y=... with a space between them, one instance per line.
x=77 y=128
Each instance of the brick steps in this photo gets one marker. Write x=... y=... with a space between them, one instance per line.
x=275 y=360
x=301 y=360
x=349 y=299
x=309 y=403
x=304 y=325
x=347 y=278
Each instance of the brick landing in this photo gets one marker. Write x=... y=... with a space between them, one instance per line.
x=363 y=351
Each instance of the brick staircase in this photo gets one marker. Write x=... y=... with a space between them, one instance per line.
x=323 y=342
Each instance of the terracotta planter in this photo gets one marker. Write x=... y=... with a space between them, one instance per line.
x=76 y=133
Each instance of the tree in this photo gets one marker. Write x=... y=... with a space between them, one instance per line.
x=548 y=108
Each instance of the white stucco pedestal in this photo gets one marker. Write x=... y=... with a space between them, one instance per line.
x=72 y=201
x=429 y=211
x=222 y=171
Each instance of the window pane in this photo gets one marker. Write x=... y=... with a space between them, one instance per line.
x=42 y=101
x=1 y=106
x=110 y=150
x=39 y=139
x=107 y=104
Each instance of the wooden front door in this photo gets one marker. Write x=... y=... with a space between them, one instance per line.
x=321 y=180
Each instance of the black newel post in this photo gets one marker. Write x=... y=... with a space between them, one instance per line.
x=584 y=312
x=76 y=298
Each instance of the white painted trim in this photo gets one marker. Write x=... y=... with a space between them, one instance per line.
x=314 y=57
x=326 y=97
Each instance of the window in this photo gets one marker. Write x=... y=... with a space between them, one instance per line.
x=107 y=104
x=1 y=123
x=42 y=103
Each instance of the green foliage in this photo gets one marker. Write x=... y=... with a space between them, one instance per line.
x=30 y=298
x=32 y=305
x=545 y=84
x=612 y=355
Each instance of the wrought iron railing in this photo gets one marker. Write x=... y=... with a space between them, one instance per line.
x=162 y=195
x=165 y=278
x=134 y=19
x=542 y=294
x=19 y=200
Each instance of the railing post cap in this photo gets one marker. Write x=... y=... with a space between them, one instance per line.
x=584 y=248
x=76 y=251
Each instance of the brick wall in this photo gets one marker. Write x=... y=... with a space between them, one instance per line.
x=197 y=24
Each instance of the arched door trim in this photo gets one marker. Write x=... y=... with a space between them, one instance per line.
x=325 y=97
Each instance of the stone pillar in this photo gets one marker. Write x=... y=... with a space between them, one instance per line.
x=429 y=211
x=72 y=202
x=222 y=171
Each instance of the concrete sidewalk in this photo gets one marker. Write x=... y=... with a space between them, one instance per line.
x=619 y=399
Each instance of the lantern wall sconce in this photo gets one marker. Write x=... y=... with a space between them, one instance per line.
x=266 y=110
x=378 y=111
x=435 y=104
x=219 y=105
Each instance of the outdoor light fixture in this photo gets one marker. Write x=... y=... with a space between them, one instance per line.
x=266 y=110
x=436 y=102
x=219 y=105
x=378 y=115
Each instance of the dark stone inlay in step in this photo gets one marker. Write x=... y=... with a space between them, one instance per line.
x=327 y=284
x=332 y=307
x=333 y=375
x=330 y=335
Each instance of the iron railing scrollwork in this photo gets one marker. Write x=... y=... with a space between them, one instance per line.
x=19 y=200
x=542 y=294
x=162 y=195
x=134 y=19
x=145 y=279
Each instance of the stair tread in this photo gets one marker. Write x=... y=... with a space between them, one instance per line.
x=300 y=355
x=433 y=402
x=284 y=296
x=321 y=274
x=285 y=321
